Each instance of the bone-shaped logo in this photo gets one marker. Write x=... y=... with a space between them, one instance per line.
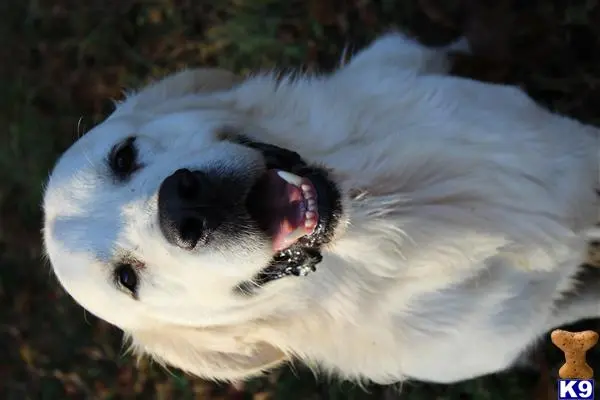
x=575 y=345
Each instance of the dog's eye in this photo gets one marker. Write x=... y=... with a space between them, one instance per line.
x=123 y=158
x=127 y=277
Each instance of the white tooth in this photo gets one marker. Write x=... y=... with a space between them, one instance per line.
x=295 y=234
x=306 y=188
x=290 y=178
x=312 y=204
x=310 y=215
x=309 y=223
x=308 y=194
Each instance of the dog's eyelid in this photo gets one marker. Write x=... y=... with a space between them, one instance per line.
x=126 y=276
x=130 y=140
x=123 y=158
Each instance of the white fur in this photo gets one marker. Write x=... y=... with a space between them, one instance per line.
x=466 y=210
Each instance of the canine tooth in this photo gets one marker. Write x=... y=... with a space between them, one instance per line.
x=306 y=187
x=295 y=234
x=290 y=178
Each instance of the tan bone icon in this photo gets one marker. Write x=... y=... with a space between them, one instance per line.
x=575 y=345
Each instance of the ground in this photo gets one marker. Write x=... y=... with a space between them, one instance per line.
x=61 y=61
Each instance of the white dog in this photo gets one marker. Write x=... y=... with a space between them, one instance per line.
x=385 y=222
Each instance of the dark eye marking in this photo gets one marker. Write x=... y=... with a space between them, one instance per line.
x=123 y=159
x=126 y=276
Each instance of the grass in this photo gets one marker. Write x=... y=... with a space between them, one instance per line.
x=62 y=61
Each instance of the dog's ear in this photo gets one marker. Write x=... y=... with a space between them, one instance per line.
x=180 y=84
x=192 y=353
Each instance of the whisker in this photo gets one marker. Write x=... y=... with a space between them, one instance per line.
x=78 y=130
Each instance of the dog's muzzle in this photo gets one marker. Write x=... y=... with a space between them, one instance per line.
x=295 y=205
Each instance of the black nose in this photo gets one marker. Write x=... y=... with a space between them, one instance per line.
x=185 y=208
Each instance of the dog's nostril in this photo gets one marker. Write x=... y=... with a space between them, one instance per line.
x=190 y=232
x=187 y=185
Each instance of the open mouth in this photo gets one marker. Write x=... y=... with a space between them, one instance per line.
x=297 y=206
x=287 y=208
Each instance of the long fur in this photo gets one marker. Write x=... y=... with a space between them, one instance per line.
x=467 y=211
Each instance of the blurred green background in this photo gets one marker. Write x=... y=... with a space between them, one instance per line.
x=62 y=61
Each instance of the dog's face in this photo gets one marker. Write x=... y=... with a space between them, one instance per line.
x=163 y=217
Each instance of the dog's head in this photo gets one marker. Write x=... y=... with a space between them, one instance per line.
x=167 y=215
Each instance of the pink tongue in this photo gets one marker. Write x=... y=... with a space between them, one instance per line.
x=287 y=210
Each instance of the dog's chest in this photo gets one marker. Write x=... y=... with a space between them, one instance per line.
x=438 y=346
x=438 y=336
